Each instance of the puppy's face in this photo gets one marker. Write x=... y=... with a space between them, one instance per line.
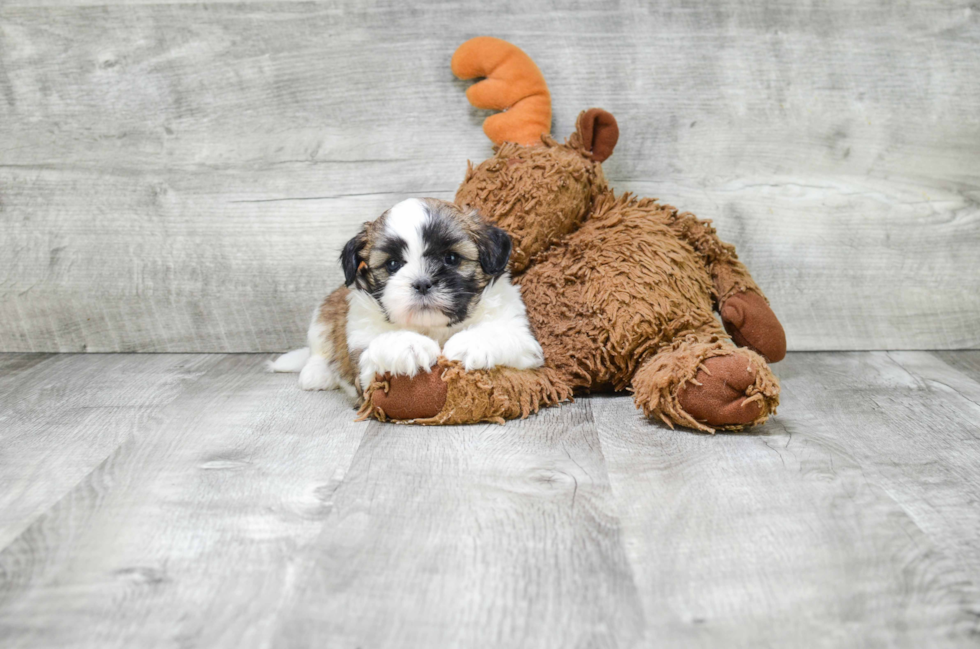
x=426 y=262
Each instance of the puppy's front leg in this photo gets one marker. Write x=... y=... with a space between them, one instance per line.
x=398 y=352
x=485 y=346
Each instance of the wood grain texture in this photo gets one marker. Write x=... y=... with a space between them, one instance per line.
x=186 y=534
x=848 y=520
x=64 y=415
x=473 y=536
x=231 y=509
x=967 y=362
x=180 y=177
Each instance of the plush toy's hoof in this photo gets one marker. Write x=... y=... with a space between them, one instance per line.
x=751 y=323
x=720 y=400
x=416 y=397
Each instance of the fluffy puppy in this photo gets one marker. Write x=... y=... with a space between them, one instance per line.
x=425 y=277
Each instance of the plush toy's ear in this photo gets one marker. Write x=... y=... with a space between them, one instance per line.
x=494 y=249
x=599 y=132
x=350 y=257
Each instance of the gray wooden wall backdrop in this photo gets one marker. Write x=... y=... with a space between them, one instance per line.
x=180 y=177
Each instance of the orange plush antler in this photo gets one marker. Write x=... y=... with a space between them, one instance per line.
x=513 y=84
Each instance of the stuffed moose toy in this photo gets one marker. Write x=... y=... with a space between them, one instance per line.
x=620 y=291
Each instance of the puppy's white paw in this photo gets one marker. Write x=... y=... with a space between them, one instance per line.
x=475 y=352
x=399 y=352
x=318 y=374
x=484 y=350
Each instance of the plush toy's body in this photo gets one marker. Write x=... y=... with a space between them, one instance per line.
x=620 y=291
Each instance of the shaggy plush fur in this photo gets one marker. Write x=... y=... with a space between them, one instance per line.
x=537 y=194
x=661 y=385
x=620 y=292
x=597 y=312
x=471 y=396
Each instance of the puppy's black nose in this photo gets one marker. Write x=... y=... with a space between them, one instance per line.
x=422 y=286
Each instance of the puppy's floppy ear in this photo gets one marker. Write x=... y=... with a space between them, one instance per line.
x=350 y=258
x=493 y=245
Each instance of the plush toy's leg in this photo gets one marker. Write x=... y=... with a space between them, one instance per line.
x=450 y=395
x=743 y=307
x=703 y=381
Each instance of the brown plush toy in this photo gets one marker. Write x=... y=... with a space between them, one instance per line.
x=620 y=291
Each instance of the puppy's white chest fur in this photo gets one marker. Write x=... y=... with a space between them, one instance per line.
x=497 y=333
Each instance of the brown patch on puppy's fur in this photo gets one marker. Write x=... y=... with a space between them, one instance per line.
x=354 y=257
x=333 y=313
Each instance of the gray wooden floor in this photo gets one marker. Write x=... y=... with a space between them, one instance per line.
x=196 y=501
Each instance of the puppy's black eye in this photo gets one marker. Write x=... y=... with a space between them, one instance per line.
x=452 y=259
x=392 y=266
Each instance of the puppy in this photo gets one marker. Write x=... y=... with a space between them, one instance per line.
x=425 y=277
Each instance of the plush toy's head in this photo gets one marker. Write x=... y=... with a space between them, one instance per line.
x=530 y=173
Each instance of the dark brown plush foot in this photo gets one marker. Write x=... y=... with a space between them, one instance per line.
x=720 y=399
x=705 y=382
x=416 y=397
x=751 y=323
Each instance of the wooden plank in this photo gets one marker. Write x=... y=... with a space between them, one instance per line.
x=103 y=3
x=13 y=364
x=927 y=450
x=233 y=509
x=189 y=532
x=62 y=416
x=845 y=521
x=213 y=297
x=967 y=362
x=180 y=177
x=491 y=536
